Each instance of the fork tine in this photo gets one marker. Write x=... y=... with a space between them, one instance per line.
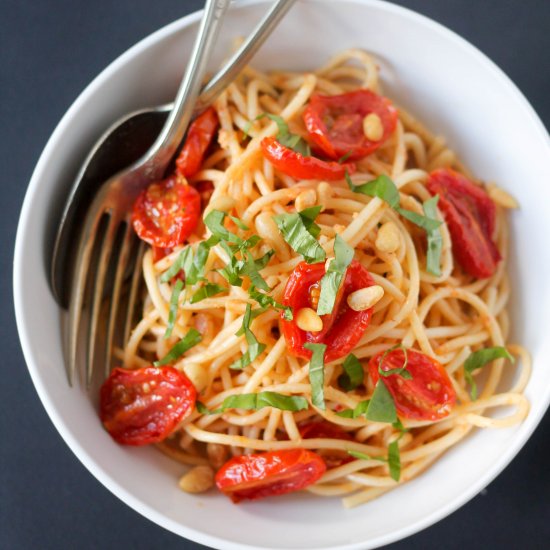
x=97 y=293
x=78 y=289
x=121 y=267
x=136 y=280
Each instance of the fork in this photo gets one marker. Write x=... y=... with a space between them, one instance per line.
x=106 y=249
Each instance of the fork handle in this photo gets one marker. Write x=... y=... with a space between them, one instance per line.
x=161 y=152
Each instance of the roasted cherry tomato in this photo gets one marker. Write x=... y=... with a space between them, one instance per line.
x=335 y=123
x=428 y=395
x=470 y=216
x=297 y=166
x=144 y=405
x=199 y=137
x=326 y=430
x=269 y=474
x=343 y=328
x=167 y=212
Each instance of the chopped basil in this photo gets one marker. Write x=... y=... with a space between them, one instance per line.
x=209 y=289
x=255 y=348
x=381 y=187
x=394 y=460
x=358 y=411
x=317 y=374
x=332 y=279
x=428 y=224
x=479 y=359
x=296 y=234
x=195 y=270
x=308 y=217
x=183 y=261
x=192 y=338
x=239 y=223
x=265 y=301
x=345 y=157
x=214 y=221
x=381 y=407
x=202 y=408
x=400 y=371
x=173 y=311
x=256 y=401
x=435 y=241
x=363 y=456
x=353 y=373
x=398 y=425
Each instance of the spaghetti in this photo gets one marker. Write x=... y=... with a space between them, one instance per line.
x=446 y=314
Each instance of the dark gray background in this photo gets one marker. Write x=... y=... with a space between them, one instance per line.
x=50 y=50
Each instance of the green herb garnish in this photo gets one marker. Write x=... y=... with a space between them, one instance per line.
x=353 y=373
x=256 y=401
x=435 y=241
x=192 y=338
x=266 y=301
x=255 y=348
x=317 y=374
x=479 y=359
x=400 y=371
x=381 y=407
x=206 y=291
x=173 y=311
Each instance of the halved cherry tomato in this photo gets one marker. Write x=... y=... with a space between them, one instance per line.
x=167 y=212
x=429 y=395
x=343 y=328
x=199 y=137
x=326 y=430
x=143 y=406
x=297 y=166
x=269 y=474
x=335 y=123
x=470 y=216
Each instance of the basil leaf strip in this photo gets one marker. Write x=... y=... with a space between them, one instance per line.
x=192 y=338
x=255 y=348
x=183 y=261
x=359 y=410
x=195 y=270
x=363 y=456
x=381 y=407
x=381 y=187
x=435 y=240
x=317 y=374
x=209 y=289
x=400 y=371
x=421 y=221
x=284 y=136
x=479 y=359
x=239 y=223
x=394 y=460
x=332 y=279
x=296 y=234
x=265 y=301
x=353 y=373
x=308 y=216
x=256 y=401
x=173 y=311
x=214 y=221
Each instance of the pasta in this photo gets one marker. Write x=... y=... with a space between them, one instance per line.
x=445 y=316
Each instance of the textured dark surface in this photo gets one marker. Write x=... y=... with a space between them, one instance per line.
x=50 y=51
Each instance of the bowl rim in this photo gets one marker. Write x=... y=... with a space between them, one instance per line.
x=175 y=27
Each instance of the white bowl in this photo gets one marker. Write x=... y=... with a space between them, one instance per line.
x=450 y=86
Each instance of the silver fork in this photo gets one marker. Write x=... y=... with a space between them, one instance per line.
x=106 y=247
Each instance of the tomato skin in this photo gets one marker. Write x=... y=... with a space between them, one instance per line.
x=343 y=328
x=269 y=474
x=429 y=395
x=166 y=212
x=199 y=137
x=297 y=166
x=470 y=216
x=143 y=406
x=335 y=123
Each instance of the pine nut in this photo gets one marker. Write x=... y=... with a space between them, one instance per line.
x=223 y=203
x=387 y=239
x=198 y=374
x=217 y=454
x=266 y=226
x=308 y=320
x=305 y=199
x=372 y=127
x=324 y=193
x=365 y=298
x=314 y=294
x=501 y=197
x=197 y=480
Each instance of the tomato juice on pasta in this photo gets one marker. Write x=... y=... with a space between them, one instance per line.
x=324 y=285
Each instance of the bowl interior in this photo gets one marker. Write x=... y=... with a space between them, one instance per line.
x=445 y=83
